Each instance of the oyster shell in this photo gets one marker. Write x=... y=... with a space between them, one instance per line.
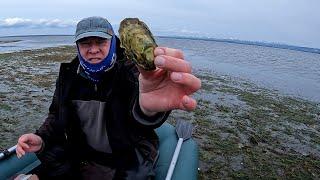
x=138 y=42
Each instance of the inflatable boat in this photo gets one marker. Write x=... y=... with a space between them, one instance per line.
x=186 y=167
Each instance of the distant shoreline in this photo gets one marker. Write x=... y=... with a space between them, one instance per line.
x=235 y=41
x=255 y=43
x=10 y=41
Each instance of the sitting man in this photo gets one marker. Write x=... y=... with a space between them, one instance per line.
x=104 y=110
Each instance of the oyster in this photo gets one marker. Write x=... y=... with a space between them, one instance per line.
x=138 y=42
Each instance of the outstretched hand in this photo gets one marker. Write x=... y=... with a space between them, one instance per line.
x=170 y=85
x=28 y=143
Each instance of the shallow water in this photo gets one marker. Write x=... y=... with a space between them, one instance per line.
x=290 y=72
x=33 y=42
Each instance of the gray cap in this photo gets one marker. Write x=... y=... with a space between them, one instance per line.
x=93 y=26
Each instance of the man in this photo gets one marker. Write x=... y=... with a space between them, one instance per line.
x=104 y=111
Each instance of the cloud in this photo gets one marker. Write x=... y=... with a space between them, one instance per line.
x=38 y=23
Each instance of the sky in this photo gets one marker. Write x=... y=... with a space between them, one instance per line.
x=293 y=22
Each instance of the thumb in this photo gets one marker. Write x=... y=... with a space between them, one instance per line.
x=24 y=139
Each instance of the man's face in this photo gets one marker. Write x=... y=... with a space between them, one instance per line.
x=94 y=49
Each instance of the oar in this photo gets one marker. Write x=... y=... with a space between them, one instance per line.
x=184 y=132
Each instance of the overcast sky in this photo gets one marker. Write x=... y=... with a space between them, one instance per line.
x=295 y=22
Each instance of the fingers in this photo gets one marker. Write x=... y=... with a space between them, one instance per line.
x=188 y=103
x=25 y=146
x=172 y=64
x=23 y=140
x=171 y=59
x=22 y=145
x=177 y=53
x=19 y=151
x=191 y=82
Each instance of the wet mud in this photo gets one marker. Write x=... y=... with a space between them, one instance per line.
x=243 y=131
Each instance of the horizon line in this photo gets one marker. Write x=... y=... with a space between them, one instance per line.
x=230 y=40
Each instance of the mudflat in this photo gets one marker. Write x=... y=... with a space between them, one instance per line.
x=243 y=131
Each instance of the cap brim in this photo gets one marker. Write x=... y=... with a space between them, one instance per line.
x=95 y=34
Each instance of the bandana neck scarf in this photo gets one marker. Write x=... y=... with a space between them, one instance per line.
x=94 y=72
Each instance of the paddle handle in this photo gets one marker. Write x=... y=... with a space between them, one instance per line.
x=7 y=152
x=174 y=159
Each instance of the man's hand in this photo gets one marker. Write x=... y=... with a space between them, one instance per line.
x=170 y=85
x=28 y=143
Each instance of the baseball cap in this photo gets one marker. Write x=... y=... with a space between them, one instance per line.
x=93 y=26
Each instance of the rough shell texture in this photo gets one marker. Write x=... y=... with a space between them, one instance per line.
x=138 y=42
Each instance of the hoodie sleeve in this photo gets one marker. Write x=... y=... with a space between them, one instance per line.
x=151 y=121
